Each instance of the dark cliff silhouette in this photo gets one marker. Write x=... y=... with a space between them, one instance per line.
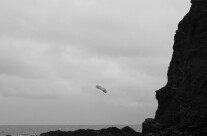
x=111 y=131
x=182 y=103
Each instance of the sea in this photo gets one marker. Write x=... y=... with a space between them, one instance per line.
x=36 y=130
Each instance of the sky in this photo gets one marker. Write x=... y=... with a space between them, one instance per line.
x=54 y=52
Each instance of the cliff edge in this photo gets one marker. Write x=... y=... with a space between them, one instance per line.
x=182 y=103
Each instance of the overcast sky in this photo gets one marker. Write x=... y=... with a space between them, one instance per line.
x=54 y=52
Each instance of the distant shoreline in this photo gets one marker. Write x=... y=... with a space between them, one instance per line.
x=111 y=131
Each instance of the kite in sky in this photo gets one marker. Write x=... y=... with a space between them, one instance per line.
x=101 y=88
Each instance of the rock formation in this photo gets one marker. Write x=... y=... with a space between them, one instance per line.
x=112 y=131
x=182 y=103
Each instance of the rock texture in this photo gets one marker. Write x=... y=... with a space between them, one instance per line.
x=182 y=103
x=112 y=131
x=151 y=126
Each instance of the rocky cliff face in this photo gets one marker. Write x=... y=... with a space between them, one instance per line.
x=182 y=103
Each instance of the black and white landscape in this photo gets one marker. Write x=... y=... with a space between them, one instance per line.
x=99 y=62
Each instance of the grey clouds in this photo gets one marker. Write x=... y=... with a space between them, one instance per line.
x=54 y=52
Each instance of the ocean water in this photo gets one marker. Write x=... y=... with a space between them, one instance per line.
x=31 y=130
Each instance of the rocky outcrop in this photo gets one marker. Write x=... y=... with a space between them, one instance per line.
x=182 y=103
x=112 y=131
x=151 y=126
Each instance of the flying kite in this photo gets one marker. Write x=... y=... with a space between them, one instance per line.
x=101 y=88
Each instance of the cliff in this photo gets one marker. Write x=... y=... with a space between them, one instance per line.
x=182 y=103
